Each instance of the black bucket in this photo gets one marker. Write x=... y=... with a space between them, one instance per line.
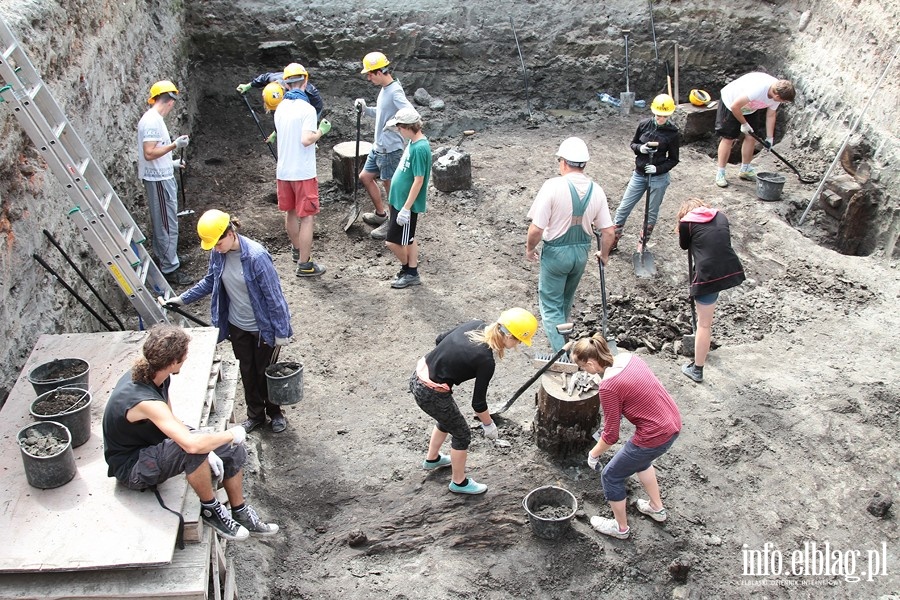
x=47 y=466
x=77 y=420
x=769 y=186
x=285 y=382
x=550 y=511
x=62 y=372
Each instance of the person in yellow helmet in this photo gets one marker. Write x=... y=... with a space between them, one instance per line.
x=469 y=351
x=156 y=169
x=264 y=79
x=655 y=145
x=388 y=146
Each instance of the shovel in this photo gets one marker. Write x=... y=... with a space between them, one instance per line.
x=184 y=209
x=785 y=161
x=353 y=215
x=644 y=265
x=689 y=339
x=258 y=126
x=612 y=344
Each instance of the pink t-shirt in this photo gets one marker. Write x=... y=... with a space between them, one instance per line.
x=552 y=207
x=636 y=394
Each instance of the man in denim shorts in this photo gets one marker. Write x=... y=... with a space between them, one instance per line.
x=388 y=147
x=145 y=444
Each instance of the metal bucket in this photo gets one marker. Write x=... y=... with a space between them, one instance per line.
x=78 y=421
x=769 y=186
x=285 y=383
x=55 y=469
x=542 y=503
x=46 y=377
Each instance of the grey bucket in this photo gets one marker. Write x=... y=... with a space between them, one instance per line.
x=78 y=421
x=52 y=471
x=769 y=186
x=285 y=389
x=550 y=528
x=45 y=377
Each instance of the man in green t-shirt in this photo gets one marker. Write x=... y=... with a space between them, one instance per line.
x=407 y=196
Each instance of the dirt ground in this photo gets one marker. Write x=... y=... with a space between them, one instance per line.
x=784 y=445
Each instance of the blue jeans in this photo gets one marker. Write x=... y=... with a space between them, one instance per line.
x=635 y=191
x=629 y=460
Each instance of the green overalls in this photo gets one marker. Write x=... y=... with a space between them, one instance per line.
x=562 y=264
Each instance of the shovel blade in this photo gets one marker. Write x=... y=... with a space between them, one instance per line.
x=644 y=265
x=185 y=213
x=352 y=216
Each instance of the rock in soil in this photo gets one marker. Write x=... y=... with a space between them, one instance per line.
x=357 y=538
x=880 y=504
x=42 y=444
x=680 y=567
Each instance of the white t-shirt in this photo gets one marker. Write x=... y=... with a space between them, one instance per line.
x=552 y=207
x=296 y=162
x=753 y=85
x=152 y=128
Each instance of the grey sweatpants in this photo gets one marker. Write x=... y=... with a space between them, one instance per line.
x=162 y=200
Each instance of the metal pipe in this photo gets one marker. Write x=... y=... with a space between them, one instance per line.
x=261 y=132
x=524 y=70
x=73 y=292
x=185 y=314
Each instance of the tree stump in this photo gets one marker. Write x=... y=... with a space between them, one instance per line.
x=343 y=170
x=451 y=169
x=564 y=424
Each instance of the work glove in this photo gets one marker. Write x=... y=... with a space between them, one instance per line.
x=650 y=169
x=593 y=462
x=177 y=163
x=282 y=341
x=243 y=88
x=403 y=217
x=745 y=128
x=324 y=126
x=769 y=143
x=490 y=431
x=645 y=149
x=271 y=138
x=173 y=301
x=359 y=104
x=239 y=434
x=216 y=466
x=182 y=141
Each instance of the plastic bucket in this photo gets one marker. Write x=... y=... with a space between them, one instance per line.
x=550 y=510
x=769 y=186
x=285 y=382
x=77 y=420
x=62 y=372
x=51 y=463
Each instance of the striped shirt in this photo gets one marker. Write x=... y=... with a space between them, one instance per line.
x=636 y=394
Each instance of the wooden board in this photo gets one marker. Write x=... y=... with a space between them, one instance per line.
x=92 y=522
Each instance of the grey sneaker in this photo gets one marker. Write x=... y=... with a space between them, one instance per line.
x=374 y=218
x=248 y=518
x=218 y=518
x=380 y=232
x=748 y=175
x=251 y=424
x=279 y=424
x=404 y=280
x=693 y=371
x=309 y=269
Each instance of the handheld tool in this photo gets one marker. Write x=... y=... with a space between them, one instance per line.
x=643 y=261
x=611 y=343
x=688 y=340
x=258 y=126
x=784 y=160
x=353 y=215
x=184 y=209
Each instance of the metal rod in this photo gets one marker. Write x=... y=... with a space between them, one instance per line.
x=53 y=241
x=627 y=66
x=185 y=314
x=847 y=139
x=653 y=31
x=524 y=70
x=261 y=132
x=73 y=292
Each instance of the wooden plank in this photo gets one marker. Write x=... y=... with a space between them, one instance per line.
x=91 y=522
x=230 y=592
x=187 y=577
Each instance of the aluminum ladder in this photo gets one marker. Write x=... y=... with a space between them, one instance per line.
x=98 y=212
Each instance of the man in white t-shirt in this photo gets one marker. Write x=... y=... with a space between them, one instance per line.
x=156 y=169
x=747 y=104
x=298 y=188
x=565 y=214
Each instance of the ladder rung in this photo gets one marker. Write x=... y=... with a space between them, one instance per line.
x=106 y=201
x=34 y=91
x=144 y=269
x=128 y=233
x=10 y=50
x=84 y=165
x=57 y=131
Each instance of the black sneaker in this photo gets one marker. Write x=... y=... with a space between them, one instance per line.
x=248 y=519
x=295 y=254
x=279 y=424
x=218 y=518
x=251 y=424
x=177 y=277
x=309 y=269
x=693 y=371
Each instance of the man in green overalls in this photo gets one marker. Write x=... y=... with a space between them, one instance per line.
x=565 y=213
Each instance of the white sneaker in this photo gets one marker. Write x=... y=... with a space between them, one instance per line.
x=720 y=180
x=609 y=527
x=657 y=515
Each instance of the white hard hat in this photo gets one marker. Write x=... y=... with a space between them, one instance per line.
x=574 y=150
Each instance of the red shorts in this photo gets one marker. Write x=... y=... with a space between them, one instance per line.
x=302 y=197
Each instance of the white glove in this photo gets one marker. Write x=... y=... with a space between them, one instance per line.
x=282 y=341
x=490 y=431
x=593 y=462
x=216 y=466
x=177 y=163
x=645 y=149
x=174 y=300
x=360 y=104
x=239 y=434
x=403 y=217
x=769 y=143
x=745 y=128
x=650 y=169
x=181 y=141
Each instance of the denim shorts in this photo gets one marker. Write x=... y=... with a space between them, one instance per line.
x=707 y=299
x=383 y=163
x=629 y=460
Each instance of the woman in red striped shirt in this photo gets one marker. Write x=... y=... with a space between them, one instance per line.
x=628 y=388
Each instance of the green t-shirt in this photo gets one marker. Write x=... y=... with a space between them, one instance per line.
x=415 y=162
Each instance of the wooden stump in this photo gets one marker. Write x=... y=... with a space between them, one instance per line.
x=564 y=424
x=342 y=164
x=695 y=122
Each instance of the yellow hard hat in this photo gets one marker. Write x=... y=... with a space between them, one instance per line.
x=294 y=72
x=663 y=105
x=520 y=323
x=161 y=87
x=272 y=96
x=699 y=98
x=211 y=226
x=374 y=61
